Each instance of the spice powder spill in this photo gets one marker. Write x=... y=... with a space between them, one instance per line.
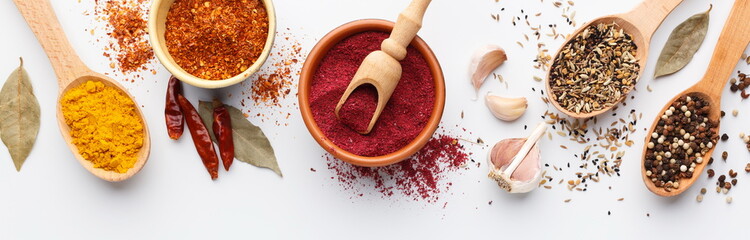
x=403 y=118
x=127 y=35
x=104 y=125
x=216 y=39
x=595 y=70
x=273 y=83
x=423 y=176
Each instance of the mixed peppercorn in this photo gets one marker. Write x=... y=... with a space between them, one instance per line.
x=679 y=142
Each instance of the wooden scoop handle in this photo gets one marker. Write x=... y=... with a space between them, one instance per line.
x=43 y=22
x=649 y=15
x=732 y=42
x=407 y=25
x=382 y=69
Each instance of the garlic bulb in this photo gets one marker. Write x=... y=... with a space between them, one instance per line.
x=506 y=109
x=515 y=163
x=483 y=62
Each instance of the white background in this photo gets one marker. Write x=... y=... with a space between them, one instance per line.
x=54 y=197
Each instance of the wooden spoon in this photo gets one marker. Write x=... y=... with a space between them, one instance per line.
x=71 y=72
x=734 y=38
x=641 y=23
x=382 y=69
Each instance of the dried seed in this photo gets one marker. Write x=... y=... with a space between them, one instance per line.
x=581 y=78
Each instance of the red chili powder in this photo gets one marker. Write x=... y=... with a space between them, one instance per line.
x=421 y=177
x=403 y=118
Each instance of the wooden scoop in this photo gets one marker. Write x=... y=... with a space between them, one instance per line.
x=734 y=38
x=641 y=23
x=382 y=69
x=71 y=72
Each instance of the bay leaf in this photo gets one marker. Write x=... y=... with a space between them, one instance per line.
x=250 y=143
x=682 y=44
x=19 y=116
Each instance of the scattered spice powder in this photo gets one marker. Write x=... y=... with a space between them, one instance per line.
x=127 y=35
x=403 y=118
x=216 y=39
x=104 y=124
x=423 y=176
x=275 y=82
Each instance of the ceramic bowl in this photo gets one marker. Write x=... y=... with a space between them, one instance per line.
x=156 y=28
x=311 y=66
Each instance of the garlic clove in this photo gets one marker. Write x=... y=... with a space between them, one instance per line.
x=506 y=109
x=484 y=61
x=516 y=163
x=502 y=155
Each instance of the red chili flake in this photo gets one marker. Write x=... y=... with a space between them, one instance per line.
x=272 y=85
x=126 y=27
x=216 y=39
x=403 y=118
x=423 y=176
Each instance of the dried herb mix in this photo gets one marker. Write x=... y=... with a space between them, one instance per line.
x=403 y=118
x=216 y=39
x=682 y=137
x=595 y=69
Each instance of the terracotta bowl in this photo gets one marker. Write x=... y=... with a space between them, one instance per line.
x=157 y=26
x=311 y=66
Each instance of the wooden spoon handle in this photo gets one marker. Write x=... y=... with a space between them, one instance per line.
x=407 y=25
x=732 y=42
x=649 y=15
x=43 y=22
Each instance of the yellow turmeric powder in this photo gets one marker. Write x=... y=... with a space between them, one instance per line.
x=104 y=125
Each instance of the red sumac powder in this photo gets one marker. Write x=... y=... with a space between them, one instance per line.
x=403 y=118
x=358 y=109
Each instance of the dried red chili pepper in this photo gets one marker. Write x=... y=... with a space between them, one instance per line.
x=201 y=138
x=223 y=132
x=172 y=112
